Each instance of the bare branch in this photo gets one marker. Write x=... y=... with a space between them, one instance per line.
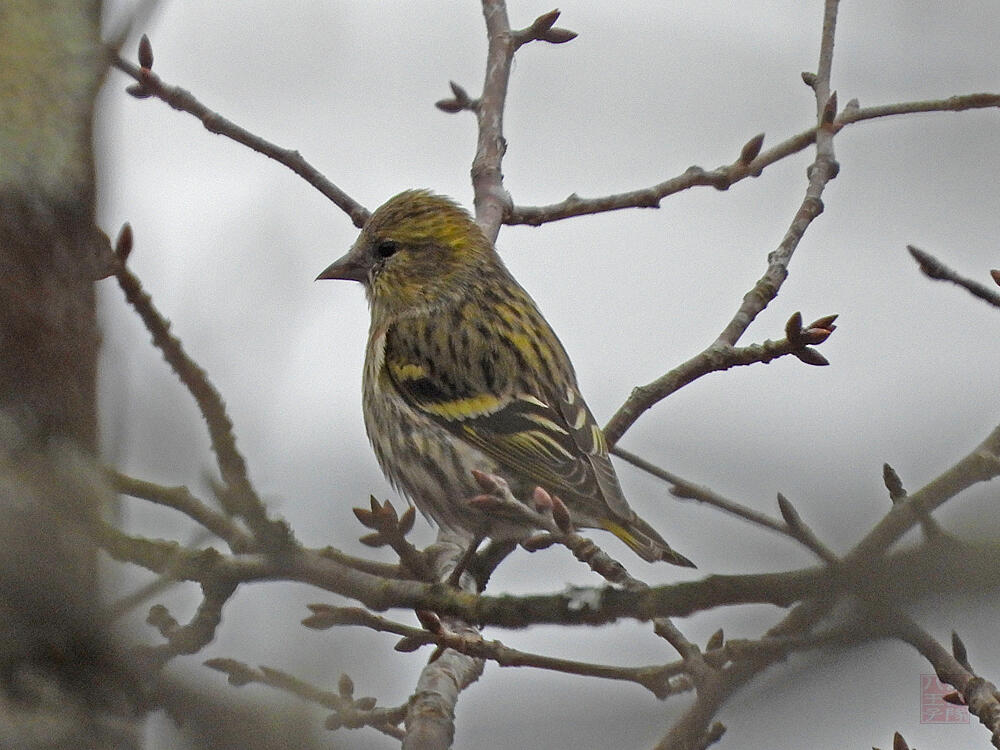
x=151 y=85
x=801 y=531
x=143 y=594
x=196 y=634
x=364 y=565
x=655 y=678
x=551 y=515
x=491 y=198
x=692 y=728
x=430 y=715
x=349 y=713
x=687 y=490
x=181 y=499
x=589 y=605
x=981 y=465
x=935 y=269
x=981 y=696
x=718 y=356
x=241 y=498
x=724 y=177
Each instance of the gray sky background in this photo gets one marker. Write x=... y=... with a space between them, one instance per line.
x=228 y=244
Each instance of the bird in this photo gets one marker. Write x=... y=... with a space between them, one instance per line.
x=463 y=375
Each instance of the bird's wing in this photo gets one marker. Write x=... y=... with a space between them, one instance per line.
x=551 y=439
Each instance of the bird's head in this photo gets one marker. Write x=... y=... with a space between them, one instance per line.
x=417 y=250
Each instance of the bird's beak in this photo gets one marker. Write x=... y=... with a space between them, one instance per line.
x=349 y=268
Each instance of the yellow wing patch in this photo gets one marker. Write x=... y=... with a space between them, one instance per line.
x=408 y=371
x=463 y=408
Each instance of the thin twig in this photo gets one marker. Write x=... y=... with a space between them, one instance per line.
x=180 y=499
x=981 y=696
x=197 y=633
x=373 y=567
x=935 y=269
x=686 y=490
x=143 y=594
x=491 y=200
x=724 y=177
x=184 y=101
x=241 y=498
x=348 y=712
x=655 y=678
x=862 y=569
x=981 y=465
x=691 y=729
x=719 y=356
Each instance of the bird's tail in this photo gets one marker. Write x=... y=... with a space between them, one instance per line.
x=645 y=542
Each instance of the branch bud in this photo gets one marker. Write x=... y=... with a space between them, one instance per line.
x=558 y=36
x=145 y=53
x=123 y=243
x=825 y=322
x=408 y=644
x=560 y=514
x=544 y=22
x=345 y=686
x=793 y=328
x=406 y=521
x=460 y=100
x=430 y=621
x=138 y=91
x=375 y=539
x=893 y=483
x=959 y=652
x=542 y=500
x=486 y=482
x=715 y=640
x=812 y=357
x=538 y=542
x=237 y=673
x=751 y=149
x=788 y=512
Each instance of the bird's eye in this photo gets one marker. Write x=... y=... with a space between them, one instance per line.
x=385 y=248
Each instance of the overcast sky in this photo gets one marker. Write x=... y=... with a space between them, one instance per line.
x=228 y=244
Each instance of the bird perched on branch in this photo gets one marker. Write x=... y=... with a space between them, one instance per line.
x=463 y=373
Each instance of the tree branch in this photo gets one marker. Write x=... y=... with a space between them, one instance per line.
x=491 y=198
x=725 y=176
x=935 y=269
x=239 y=496
x=348 y=712
x=721 y=355
x=150 y=84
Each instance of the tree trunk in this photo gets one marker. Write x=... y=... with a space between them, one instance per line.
x=57 y=671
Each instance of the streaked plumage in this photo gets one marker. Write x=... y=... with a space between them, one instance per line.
x=462 y=372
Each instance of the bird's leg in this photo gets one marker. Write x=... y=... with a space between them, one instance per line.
x=489 y=559
x=466 y=561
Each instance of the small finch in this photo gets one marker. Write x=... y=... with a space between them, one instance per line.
x=463 y=373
